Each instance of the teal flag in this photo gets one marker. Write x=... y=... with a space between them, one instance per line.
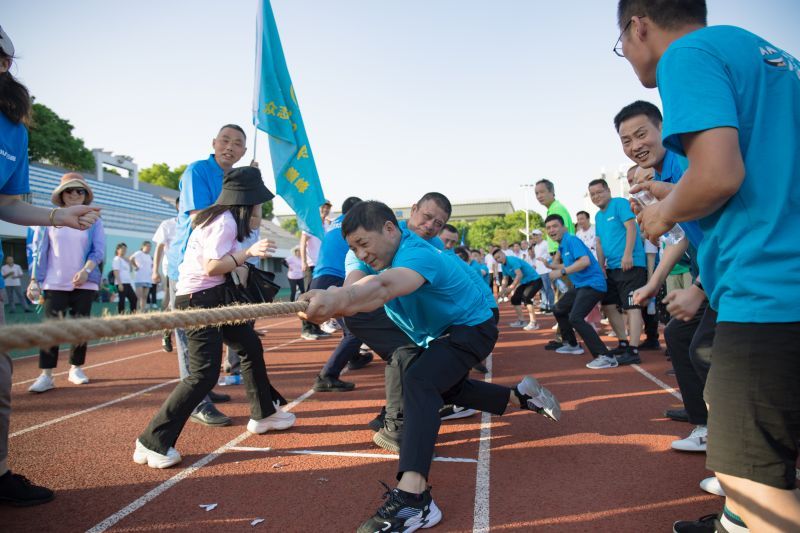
x=276 y=112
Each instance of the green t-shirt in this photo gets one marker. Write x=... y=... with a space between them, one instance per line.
x=557 y=208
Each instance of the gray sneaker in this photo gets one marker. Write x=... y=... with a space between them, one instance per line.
x=538 y=399
x=603 y=361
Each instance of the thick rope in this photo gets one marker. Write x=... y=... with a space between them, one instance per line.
x=81 y=330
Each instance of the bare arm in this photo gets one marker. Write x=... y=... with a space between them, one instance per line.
x=630 y=242
x=354 y=276
x=158 y=257
x=15 y=211
x=303 y=243
x=601 y=256
x=672 y=254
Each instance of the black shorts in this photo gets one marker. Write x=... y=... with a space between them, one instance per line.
x=525 y=293
x=622 y=284
x=753 y=394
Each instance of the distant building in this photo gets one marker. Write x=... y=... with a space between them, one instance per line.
x=467 y=211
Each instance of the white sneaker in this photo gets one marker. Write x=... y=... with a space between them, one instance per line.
x=452 y=412
x=532 y=326
x=572 y=350
x=142 y=455
x=517 y=324
x=331 y=326
x=43 y=383
x=541 y=400
x=504 y=299
x=77 y=376
x=280 y=419
x=603 y=361
x=712 y=486
x=695 y=442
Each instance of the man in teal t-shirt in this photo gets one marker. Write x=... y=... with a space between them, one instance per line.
x=525 y=283
x=731 y=106
x=445 y=314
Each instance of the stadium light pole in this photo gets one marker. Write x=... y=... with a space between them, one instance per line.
x=525 y=187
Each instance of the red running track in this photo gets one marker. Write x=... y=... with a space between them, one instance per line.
x=607 y=466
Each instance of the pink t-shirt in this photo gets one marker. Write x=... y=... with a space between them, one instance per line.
x=213 y=240
x=295 y=267
x=66 y=257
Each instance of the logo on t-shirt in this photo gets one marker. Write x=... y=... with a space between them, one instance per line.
x=779 y=59
x=10 y=157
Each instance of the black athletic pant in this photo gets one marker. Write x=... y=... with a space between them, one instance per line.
x=439 y=375
x=570 y=312
x=296 y=286
x=127 y=292
x=689 y=344
x=78 y=303
x=205 y=356
x=348 y=347
x=650 y=325
x=392 y=345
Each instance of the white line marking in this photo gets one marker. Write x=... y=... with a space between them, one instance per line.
x=349 y=454
x=89 y=410
x=480 y=517
x=658 y=382
x=90 y=366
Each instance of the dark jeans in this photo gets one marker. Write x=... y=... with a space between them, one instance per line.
x=152 y=297
x=439 y=375
x=127 y=292
x=570 y=312
x=689 y=344
x=205 y=356
x=296 y=286
x=387 y=340
x=650 y=325
x=56 y=304
x=348 y=347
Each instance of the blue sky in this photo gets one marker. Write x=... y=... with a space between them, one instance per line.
x=471 y=98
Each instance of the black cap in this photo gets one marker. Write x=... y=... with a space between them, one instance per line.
x=243 y=186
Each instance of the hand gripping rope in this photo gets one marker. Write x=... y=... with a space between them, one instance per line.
x=81 y=330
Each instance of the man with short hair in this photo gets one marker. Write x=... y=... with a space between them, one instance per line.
x=200 y=185
x=449 y=236
x=446 y=315
x=621 y=253
x=542 y=259
x=523 y=287
x=12 y=276
x=546 y=195
x=720 y=87
x=575 y=260
x=585 y=231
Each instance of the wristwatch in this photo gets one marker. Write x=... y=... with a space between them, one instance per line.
x=563 y=271
x=88 y=270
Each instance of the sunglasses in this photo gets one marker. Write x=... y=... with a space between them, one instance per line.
x=77 y=190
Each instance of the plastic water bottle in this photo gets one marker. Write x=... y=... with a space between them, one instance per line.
x=675 y=234
x=562 y=287
x=235 y=379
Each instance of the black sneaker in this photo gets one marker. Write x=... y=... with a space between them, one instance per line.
x=166 y=341
x=402 y=513
x=704 y=524
x=377 y=423
x=16 y=490
x=208 y=415
x=329 y=384
x=480 y=367
x=217 y=397
x=629 y=357
x=452 y=412
x=388 y=439
x=619 y=350
x=650 y=344
x=360 y=361
x=678 y=415
x=553 y=345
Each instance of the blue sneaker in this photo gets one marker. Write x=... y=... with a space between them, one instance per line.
x=402 y=514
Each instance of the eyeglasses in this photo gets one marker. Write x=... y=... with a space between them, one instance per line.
x=618 y=46
x=76 y=190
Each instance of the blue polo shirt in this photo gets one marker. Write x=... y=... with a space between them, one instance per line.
x=199 y=187
x=476 y=278
x=13 y=160
x=515 y=263
x=672 y=169
x=332 y=252
x=479 y=268
x=447 y=298
x=610 y=229
x=724 y=76
x=572 y=249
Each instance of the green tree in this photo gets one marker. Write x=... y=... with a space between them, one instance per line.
x=51 y=141
x=290 y=225
x=266 y=210
x=486 y=231
x=161 y=174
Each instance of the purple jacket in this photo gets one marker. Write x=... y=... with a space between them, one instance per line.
x=96 y=251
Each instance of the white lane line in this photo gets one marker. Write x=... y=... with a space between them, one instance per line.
x=87 y=367
x=89 y=410
x=480 y=517
x=658 y=382
x=349 y=454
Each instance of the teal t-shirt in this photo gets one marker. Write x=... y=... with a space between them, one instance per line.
x=447 y=298
x=610 y=229
x=436 y=242
x=572 y=249
x=479 y=268
x=724 y=76
x=476 y=277
x=515 y=263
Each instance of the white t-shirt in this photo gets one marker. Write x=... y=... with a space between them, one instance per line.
x=589 y=238
x=214 y=240
x=541 y=250
x=12 y=280
x=491 y=264
x=165 y=234
x=124 y=269
x=144 y=272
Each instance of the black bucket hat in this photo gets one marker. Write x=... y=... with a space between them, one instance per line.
x=243 y=186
